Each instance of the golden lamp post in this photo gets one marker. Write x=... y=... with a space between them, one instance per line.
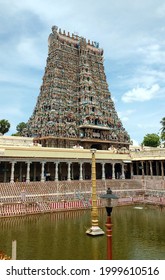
x=94 y=229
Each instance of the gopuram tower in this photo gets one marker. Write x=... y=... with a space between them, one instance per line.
x=74 y=106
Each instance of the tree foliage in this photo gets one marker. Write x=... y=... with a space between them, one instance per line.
x=151 y=140
x=163 y=129
x=4 y=126
x=20 y=127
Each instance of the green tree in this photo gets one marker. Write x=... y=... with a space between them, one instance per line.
x=20 y=127
x=162 y=129
x=4 y=126
x=151 y=140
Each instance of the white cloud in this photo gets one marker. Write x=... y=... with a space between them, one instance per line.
x=125 y=115
x=146 y=76
x=152 y=52
x=161 y=10
x=29 y=52
x=141 y=94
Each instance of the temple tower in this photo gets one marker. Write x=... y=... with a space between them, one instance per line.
x=74 y=105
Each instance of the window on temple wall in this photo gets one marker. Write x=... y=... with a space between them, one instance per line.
x=89 y=88
x=86 y=69
x=93 y=109
x=91 y=98
x=88 y=79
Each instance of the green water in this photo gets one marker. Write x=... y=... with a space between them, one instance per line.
x=137 y=234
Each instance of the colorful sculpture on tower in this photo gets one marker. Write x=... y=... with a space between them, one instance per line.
x=74 y=105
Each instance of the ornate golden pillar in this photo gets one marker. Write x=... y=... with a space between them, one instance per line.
x=94 y=229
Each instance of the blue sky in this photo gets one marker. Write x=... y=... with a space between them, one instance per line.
x=132 y=34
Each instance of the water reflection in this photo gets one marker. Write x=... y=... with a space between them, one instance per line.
x=137 y=234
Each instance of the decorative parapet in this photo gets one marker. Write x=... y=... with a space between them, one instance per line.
x=74 y=38
x=15 y=141
x=152 y=154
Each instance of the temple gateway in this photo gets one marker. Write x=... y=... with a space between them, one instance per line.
x=49 y=169
x=74 y=113
x=74 y=106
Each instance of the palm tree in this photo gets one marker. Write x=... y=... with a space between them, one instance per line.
x=163 y=129
x=163 y=125
x=4 y=126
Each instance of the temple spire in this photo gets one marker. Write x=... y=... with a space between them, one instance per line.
x=74 y=104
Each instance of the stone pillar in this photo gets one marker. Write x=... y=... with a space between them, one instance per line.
x=142 y=164
x=28 y=172
x=122 y=171
x=162 y=169
x=42 y=171
x=68 y=177
x=83 y=171
x=12 y=172
x=113 y=170
x=137 y=168
x=151 y=170
x=81 y=174
x=72 y=171
x=131 y=170
x=56 y=171
x=103 y=170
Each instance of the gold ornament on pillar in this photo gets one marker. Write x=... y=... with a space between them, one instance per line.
x=94 y=229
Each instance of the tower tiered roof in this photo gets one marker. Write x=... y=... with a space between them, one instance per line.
x=74 y=105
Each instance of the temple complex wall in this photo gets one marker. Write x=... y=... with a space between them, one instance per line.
x=35 y=179
x=35 y=163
